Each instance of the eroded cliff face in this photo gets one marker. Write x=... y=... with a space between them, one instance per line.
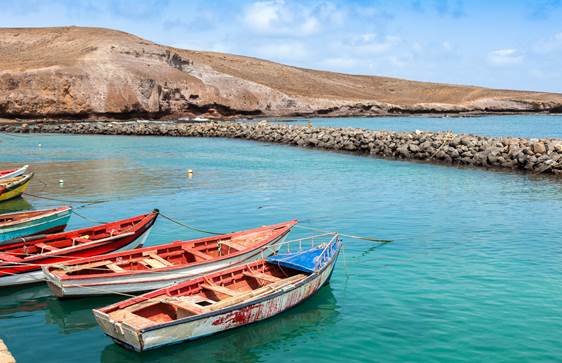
x=85 y=72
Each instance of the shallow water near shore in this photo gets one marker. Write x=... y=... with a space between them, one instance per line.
x=474 y=273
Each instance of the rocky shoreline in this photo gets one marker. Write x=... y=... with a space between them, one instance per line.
x=538 y=156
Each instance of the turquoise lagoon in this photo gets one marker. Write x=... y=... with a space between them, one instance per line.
x=474 y=273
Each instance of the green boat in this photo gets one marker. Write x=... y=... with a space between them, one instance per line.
x=28 y=223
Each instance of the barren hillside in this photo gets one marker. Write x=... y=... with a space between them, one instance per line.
x=85 y=72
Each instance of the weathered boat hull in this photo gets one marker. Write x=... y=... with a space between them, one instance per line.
x=15 y=191
x=214 y=322
x=150 y=280
x=36 y=276
x=52 y=223
x=8 y=174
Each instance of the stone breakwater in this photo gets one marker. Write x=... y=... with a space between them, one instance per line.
x=532 y=155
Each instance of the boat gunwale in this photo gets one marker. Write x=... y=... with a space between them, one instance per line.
x=17 y=171
x=287 y=226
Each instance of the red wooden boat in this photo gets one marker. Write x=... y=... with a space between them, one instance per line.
x=154 y=267
x=222 y=300
x=20 y=262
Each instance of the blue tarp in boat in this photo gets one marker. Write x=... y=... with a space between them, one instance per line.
x=304 y=261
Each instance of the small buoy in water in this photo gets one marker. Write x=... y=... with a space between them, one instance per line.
x=189 y=173
x=61 y=181
x=39 y=145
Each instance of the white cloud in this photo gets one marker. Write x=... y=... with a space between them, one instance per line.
x=277 y=17
x=501 y=57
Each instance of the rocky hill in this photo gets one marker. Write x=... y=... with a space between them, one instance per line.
x=90 y=72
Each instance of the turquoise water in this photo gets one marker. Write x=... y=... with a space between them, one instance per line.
x=537 y=126
x=474 y=273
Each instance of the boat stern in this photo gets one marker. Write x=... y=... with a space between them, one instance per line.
x=121 y=333
x=53 y=282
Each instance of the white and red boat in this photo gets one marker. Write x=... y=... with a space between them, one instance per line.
x=155 y=267
x=220 y=301
x=12 y=173
x=21 y=261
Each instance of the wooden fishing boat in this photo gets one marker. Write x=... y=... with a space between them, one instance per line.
x=28 y=223
x=14 y=187
x=219 y=301
x=20 y=262
x=12 y=173
x=154 y=267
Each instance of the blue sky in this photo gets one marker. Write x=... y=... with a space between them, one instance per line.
x=502 y=44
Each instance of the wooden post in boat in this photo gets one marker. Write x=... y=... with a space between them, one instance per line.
x=5 y=355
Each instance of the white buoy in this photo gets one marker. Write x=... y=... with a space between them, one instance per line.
x=39 y=145
x=61 y=181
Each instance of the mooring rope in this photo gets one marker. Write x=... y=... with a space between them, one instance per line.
x=372 y=239
x=66 y=200
x=189 y=226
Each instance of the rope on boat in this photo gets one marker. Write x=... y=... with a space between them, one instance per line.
x=188 y=226
x=372 y=239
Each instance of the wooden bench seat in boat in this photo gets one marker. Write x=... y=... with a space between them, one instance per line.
x=115 y=268
x=154 y=256
x=196 y=253
x=260 y=276
x=9 y=258
x=221 y=289
x=254 y=293
x=44 y=246
x=133 y=320
x=87 y=266
x=232 y=244
x=151 y=263
x=193 y=308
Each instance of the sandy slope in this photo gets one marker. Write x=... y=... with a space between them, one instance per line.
x=75 y=71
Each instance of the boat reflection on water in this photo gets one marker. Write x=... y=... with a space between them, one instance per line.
x=15 y=205
x=20 y=299
x=68 y=315
x=75 y=315
x=240 y=344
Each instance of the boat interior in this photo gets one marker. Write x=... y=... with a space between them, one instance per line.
x=59 y=242
x=174 y=254
x=204 y=295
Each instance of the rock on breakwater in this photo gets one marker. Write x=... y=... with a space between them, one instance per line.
x=533 y=155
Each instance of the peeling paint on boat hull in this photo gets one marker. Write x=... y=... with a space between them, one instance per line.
x=215 y=322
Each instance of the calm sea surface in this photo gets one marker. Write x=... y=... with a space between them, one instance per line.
x=537 y=126
x=474 y=273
